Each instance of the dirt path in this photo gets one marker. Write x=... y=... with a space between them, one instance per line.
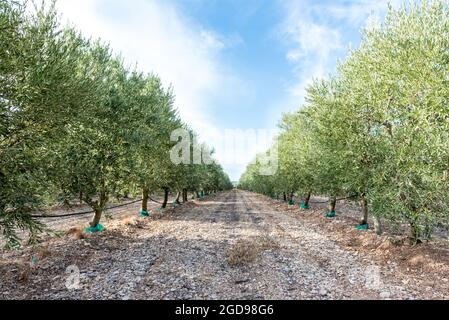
x=236 y=245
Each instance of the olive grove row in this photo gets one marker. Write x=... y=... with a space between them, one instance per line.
x=77 y=123
x=378 y=128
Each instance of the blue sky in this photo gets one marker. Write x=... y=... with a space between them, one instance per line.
x=234 y=64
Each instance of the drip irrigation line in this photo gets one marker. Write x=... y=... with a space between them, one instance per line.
x=83 y=212
x=75 y=214
x=155 y=201
x=318 y=202
x=338 y=200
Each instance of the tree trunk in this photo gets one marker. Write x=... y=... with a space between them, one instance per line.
x=178 y=196
x=332 y=204
x=285 y=197
x=97 y=217
x=307 y=199
x=164 y=205
x=185 y=196
x=377 y=226
x=364 y=204
x=99 y=207
x=81 y=197
x=415 y=233
x=145 y=197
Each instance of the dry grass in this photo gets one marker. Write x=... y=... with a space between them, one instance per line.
x=242 y=253
x=398 y=241
x=129 y=221
x=266 y=243
x=43 y=253
x=157 y=216
x=37 y=256
x=76 y=233
x=25 y=275
x=245 y=252
x=385 y=245
x=133 y=222
x=417 y=261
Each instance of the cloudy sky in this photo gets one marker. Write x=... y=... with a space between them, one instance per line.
x=234 y=64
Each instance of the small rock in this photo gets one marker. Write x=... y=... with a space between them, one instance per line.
x=241 y=281
x=323 y=292
x=385 y=295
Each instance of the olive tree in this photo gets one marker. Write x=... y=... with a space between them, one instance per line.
x=39 y=87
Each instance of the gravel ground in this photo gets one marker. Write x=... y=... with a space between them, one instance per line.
x=236 y=245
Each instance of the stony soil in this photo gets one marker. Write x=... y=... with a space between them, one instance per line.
x=236 y=245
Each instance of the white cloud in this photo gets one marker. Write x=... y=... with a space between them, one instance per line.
x=160 y=39
x=359 y=11
x=312 y=44
x=317 y=35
